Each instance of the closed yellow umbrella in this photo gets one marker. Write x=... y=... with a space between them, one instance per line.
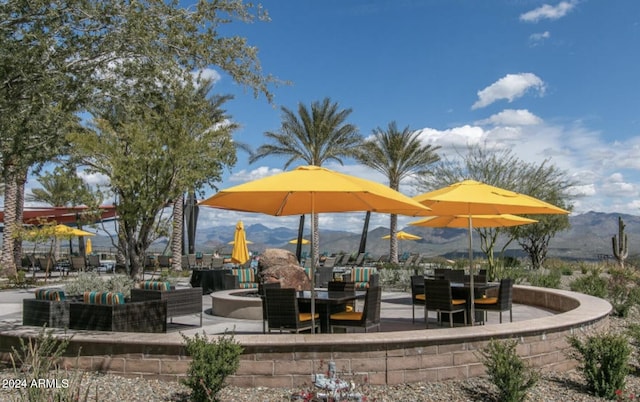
x=232 y=242
x=470 y=197
x=87 y=247
x=240 y=253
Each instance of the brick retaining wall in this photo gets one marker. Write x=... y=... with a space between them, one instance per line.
x=377 y=358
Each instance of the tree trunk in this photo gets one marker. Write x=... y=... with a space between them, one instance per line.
x=176 y=233
x=10 y=201
x=17 y=245
x=393 y=240
x=315 y=240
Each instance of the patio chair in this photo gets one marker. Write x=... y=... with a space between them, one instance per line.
x=217 y=262
x=343 y=286
x=261 y=291
x=369 y=317
x=93 y=262
x=283 y=313
x=164 y=261
x=78 y=264
x=205 y=262
x=439 y=299
x=417 y=295
x=179 y=302
x=323 y=275
x=501 y=303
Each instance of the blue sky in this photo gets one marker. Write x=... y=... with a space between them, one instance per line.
x=548 y=79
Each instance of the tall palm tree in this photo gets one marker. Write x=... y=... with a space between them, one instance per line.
x=398 y=155
x=315 y=136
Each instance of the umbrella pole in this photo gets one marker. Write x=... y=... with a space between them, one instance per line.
x=314 y=246
x=471 y=288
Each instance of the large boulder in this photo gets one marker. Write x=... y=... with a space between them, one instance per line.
x=277 y=265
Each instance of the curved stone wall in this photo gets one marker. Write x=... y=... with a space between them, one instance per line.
x=377 y=358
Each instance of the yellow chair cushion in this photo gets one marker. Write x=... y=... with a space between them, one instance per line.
x=307 y=316
x=347 y=316
x=421 y=297
x=486 y=300
x=457 y=302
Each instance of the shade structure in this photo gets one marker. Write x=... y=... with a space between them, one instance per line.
x=470 y=197
x=479 y=221
x=88 y=248
x=240 y=253
x=295 y=241
x=314 y=189
x=402 y=235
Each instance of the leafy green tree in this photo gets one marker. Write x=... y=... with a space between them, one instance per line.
x=398 y=155
x=152 y=151
x=315 y=135
x=60 y=56
x=503 y=169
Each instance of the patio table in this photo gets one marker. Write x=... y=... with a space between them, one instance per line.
x=327 y=303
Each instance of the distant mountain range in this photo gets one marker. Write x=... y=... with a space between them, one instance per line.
x=589 y=236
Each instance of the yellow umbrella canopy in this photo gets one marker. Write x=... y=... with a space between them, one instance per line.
x=60 y=231
x=479 y=221
x=402 y=235
x=471 y=197
x=240 y=253
x=295 y=241
x=314 y=189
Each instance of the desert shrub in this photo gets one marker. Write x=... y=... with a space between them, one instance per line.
x=591 y=284
x=518 y=274
x=91 y=281
x=566 y=270
x=212 y=362
x=550 y=279
x=507 y=371
x=604 y=361
x=37 y=360
x=623 y=292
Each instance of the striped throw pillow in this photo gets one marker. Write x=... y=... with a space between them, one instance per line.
x=103 y=298
x=50 y=294
x=244 y=274
x=155 y=285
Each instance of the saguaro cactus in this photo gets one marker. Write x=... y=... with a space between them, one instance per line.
x=619 y=242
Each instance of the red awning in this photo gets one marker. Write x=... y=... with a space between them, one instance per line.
x=65 y=215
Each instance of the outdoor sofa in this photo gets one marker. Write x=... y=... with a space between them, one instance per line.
x=50 y=307
x=108 y=311
x=180 y=302
x=241 y=278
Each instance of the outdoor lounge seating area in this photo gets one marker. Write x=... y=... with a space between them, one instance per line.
x=180 y=302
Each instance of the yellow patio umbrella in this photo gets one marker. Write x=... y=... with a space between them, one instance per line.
x=479 y=221
x=314 y=189
x=88 y=247
x=295 y=241
x=232 y=242
x=470 y=197
x=402 y=235
x=240 y=253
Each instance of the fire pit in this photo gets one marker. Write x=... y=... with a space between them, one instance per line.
x=237 y=303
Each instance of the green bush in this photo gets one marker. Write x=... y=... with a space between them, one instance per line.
x=623 y=292
x=91 y=281
x=591 y=284
x=212 y=361
x=551 y=279
x=604 y=362
x=507 y=371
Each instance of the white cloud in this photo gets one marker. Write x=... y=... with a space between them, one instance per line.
x=539 y=36
x=510 y=87
x=93 y=179
x=209 y=74
x=550 y=12
x=258 y=173
x=512 y=117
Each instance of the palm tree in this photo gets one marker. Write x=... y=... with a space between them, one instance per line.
x=397 y=155
x=315 y=136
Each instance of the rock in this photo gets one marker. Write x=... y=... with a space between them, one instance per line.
x=277 y=265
